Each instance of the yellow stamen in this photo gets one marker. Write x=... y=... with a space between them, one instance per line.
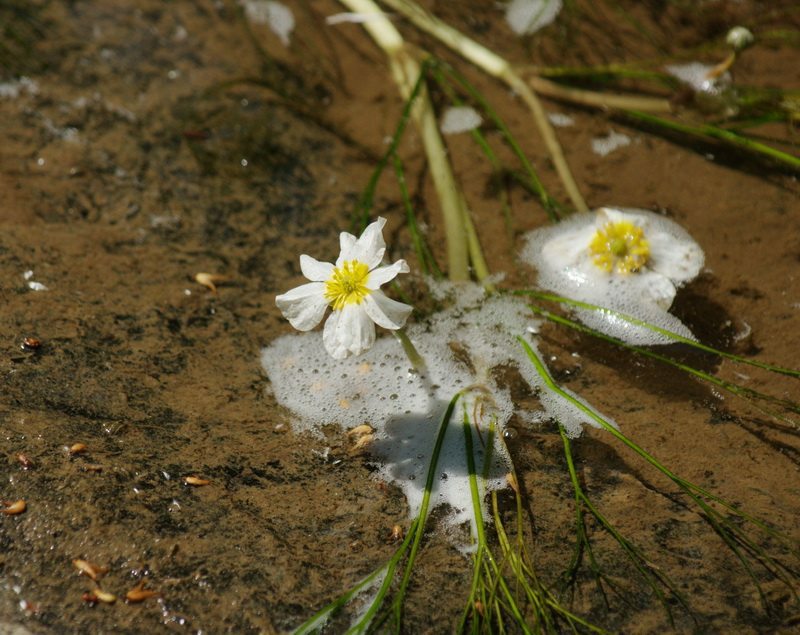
x=619 y=246
x=347 y=284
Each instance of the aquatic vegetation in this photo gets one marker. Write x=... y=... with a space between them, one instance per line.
x=618 y=269
x=631 y=261
x=351 y=288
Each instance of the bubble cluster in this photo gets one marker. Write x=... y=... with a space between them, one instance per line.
x=461 y=347
x=529 y=16
x=561 y=255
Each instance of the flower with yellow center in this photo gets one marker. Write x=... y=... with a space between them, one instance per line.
x=629 y=260
x=619 y=246
x=351 y=287
x=347 y=284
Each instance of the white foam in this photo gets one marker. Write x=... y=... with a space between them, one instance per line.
x=528 y=16
x=560 y=120
x=14 y=88
x=696 y=75
x=462 y=346
x=457 y=119
x=604 y=146
x=276 y=15
x=561 y=256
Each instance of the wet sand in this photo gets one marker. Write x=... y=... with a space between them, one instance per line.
x=157 y=142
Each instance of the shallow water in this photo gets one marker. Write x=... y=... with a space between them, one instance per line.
x=162 y=140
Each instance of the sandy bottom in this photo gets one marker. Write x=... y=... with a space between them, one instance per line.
x=157 y=142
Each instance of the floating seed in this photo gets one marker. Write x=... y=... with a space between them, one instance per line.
x=397 y=534
x=196 y=481
x=12 y=508
x=89 y=569
x=104 y=596
x=209 y=280
x=361 y=430
x=140 y=594
x=31 y=344
x=24 y=461
x=511 y=479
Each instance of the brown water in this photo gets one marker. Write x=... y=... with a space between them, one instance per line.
x=168 y=139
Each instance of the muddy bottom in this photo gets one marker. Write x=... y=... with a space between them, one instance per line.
x=153 y=141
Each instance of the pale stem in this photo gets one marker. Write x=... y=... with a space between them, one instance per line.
x=496 y=66
x=598 y=100
x=405 y=71
x=411 y=351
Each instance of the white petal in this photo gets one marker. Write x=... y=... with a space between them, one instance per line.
x=570 y=247
x=348 y=331
x=303 y=306
x=386 y=312
x=616 y=215
x=346 y=244
x=382 y=275
x=315 y=270
x=641 y=288
x=370 y=246
x=680 y=259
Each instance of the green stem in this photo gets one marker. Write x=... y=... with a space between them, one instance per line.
x=417 y=361
x=735 y=389
x=423 y=512
x=669 y=334
x=705 y=131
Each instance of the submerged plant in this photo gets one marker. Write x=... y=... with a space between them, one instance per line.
x=629 y=260
x=437 y=426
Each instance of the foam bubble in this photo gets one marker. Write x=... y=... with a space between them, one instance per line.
x=604 y=146
x=276 y=15
x=562 y=258
x=461 y=347
x=528 y=16
x=458 y=119
x=700 y=77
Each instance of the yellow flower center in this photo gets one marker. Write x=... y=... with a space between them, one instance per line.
x=619 y=246
x=347 y=284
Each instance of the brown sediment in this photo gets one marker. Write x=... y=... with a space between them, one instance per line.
x=162 y=141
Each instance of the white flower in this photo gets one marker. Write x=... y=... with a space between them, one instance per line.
x=628 y=260
x=351 y=288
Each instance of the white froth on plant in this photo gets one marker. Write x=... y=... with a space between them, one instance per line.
x=560 y=120
x=529 y=16
x=405 y=407
x=604 y=146
x=276 y=15
x=457 y=119
x=700 y=77
x=15 y=88
x=628 y=260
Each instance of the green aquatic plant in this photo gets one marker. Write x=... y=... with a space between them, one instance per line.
x=727 y=524
x=637 y=108
x=507 y=594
